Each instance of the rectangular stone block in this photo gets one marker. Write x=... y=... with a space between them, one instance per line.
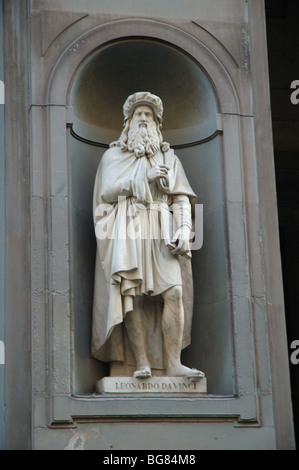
x=153 y=385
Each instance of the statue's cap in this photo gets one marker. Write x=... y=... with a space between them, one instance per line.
x=143 y=98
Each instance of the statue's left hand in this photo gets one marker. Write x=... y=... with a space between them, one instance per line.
x=182 y=241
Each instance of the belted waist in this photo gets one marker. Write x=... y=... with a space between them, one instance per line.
x=153 y=206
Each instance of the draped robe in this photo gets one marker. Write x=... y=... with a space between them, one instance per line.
x=134 y=226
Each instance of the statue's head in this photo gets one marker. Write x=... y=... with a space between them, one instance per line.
x=144 y=98
x=143 y=115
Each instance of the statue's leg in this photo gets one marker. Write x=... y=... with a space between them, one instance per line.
x=172 y=327
x=135 y=323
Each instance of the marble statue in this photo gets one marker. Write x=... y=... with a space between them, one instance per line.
x=143 y=292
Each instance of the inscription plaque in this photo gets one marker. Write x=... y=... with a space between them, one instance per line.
x=153 y=385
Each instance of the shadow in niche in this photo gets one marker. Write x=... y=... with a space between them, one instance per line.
x=99 y=90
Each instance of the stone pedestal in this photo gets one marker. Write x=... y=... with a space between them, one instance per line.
x=152 y=386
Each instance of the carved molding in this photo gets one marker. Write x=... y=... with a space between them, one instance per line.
x=54 y=23
x=225 y=34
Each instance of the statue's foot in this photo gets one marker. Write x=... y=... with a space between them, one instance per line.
x=183 y=371
x=143 y=372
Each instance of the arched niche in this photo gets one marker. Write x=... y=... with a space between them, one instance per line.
x=118 y=69
x=102 y=83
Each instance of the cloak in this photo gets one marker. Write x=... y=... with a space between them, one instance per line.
x=128 y=265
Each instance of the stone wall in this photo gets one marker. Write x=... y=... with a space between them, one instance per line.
x=241 y=334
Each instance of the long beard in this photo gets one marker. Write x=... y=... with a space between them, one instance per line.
x=143 y=141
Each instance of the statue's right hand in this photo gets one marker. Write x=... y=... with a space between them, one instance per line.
x=157 y=172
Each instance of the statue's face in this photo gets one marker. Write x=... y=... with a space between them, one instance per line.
x=142 y=117
x=143 y=137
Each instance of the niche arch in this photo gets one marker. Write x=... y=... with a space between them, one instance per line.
x=101 y=86
x=225 y=178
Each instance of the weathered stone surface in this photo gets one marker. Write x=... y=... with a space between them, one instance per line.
x=248 y=405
